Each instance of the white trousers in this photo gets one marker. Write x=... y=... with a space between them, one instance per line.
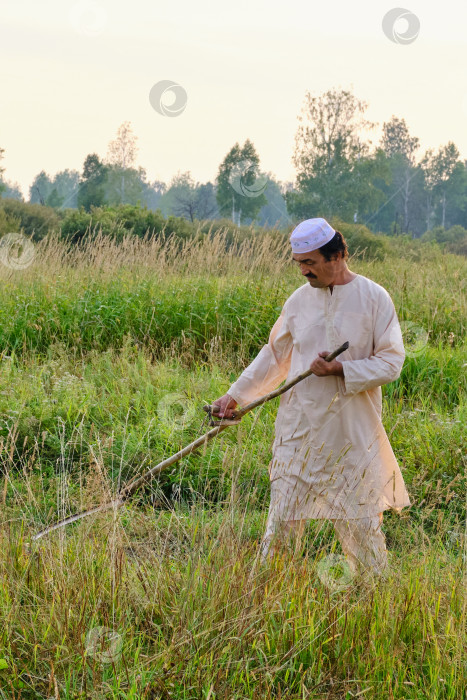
x=362 y=541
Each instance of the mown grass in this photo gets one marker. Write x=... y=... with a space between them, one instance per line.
x=108 y=355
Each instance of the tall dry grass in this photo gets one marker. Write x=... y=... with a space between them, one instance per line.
x=213 y=254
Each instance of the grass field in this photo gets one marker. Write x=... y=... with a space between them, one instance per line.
x=108 y=354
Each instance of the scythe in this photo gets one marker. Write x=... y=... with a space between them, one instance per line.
x=134 y=484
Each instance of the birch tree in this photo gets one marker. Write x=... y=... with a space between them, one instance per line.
x=333 y=159
x=121 y=154
x=400 y=149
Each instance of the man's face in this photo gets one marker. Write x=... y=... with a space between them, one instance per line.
x=314 y=266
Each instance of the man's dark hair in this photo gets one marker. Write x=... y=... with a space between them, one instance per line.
x=337 y=244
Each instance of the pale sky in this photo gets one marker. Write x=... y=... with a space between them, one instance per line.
x=72 y=72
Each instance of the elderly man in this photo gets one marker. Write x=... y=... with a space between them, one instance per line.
x=331 y=456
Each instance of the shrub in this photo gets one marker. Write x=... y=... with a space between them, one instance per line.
x=453 y=240
x=8 y=223
x=361 y=241
x=35 y=220
x=119 y=220
x=233 y=234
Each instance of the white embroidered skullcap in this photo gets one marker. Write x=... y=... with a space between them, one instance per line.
x=310 y=235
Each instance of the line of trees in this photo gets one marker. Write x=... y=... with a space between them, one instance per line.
x=339 y=172
x=388 y=186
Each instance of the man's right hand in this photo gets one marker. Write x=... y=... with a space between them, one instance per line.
x=226 y=406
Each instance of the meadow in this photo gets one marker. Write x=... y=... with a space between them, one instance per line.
x=108 y=352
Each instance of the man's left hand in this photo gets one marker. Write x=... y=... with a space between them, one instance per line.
x=321 y=368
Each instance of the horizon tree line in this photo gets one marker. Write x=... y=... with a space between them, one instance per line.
x=339 y=172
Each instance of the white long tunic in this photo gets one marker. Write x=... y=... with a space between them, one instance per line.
x=331 y=454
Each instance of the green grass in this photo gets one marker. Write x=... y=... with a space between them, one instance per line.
x=199 y=296
x=106 y=364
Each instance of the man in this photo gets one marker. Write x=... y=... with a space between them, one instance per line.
x=331 y=455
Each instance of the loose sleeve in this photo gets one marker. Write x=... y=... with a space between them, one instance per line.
x=386 y=363
x=269 y=368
